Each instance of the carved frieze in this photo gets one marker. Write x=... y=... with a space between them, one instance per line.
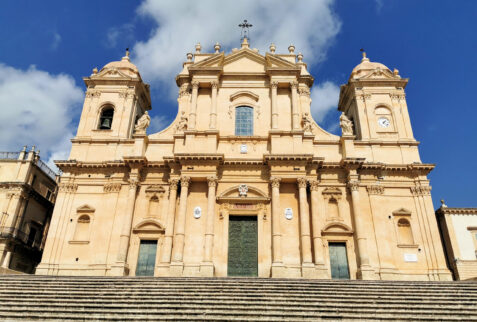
x=93 y=93
x=68 y=187
x=375 y=189
x=112 y=187
x=421 y=190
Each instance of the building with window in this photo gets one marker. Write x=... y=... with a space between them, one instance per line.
x=244 y=182
x=458 y=227
x=27 y=196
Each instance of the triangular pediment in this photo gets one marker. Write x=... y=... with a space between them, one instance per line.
x=111 y=73
x=380 y=73
x=244 y=61
x=85 y=208
x=213 y=61
x=274 y=61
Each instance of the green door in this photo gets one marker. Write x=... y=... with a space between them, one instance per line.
x=243 y=246
x=147 y=258
x=338 y=261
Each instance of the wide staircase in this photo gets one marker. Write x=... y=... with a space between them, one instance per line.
x=227 y=299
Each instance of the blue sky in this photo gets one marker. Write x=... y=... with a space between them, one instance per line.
x=48 y=46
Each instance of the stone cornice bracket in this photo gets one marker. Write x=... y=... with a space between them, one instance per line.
x=275 y=182
x=375 y=189
x=302 y=182
x=212 y=181
x=353 y=185
x=68 y=187
x=135 y=162
x=421 y=190
x=314 y=184
x=185 y=181
x=352 y=163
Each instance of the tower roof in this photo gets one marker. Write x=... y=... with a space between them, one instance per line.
x=123 y=65
x=366 y=66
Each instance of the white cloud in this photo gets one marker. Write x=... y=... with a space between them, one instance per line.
x=56 y=41
x=123 y=33
x=158 y=123
x=37 y=108
x=324 y=99
x=310 y=25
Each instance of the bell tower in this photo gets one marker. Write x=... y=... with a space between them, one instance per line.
x=374 y=100
x=116 y=97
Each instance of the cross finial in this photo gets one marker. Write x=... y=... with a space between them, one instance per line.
x=245 y=31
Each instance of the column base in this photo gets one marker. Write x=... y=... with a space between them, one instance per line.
x=119 y=269
x=308 y=270
x=176 y=269
x=322 y=272
x=163 y=269
x=278 y=270
x=366 y=273
x=207 y=269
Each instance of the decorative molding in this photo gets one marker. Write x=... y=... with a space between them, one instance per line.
x=68 y=187
x=375 y=189
x=304 y=91
x=402 y=212
x=421 y=190
x=302 y=182
x=332 y=193
x=184 y=90
x=93 y=93
x=111 y=187
x=275 y=182
x=185 y=181
x=363 y=97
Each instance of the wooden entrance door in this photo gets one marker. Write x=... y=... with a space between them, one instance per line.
x=338 y=261
x=147 y=258
x=243 y=246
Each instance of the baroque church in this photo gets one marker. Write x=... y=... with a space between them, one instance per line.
x=244 y=182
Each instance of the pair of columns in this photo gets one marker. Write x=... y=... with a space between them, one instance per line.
x=305 y=235
x=213 y=109
x=294 y=104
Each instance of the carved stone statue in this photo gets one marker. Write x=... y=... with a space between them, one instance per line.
x=182 y=125
x=306 y=123
x=142 y=123
x=346 y=125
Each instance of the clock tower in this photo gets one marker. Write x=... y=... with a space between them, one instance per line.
x=374 y=100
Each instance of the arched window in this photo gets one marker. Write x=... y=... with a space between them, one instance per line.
x=243 y=120
x=106 y=119
x=405 y=232
x=82 y=228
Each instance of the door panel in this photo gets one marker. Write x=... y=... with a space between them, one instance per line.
x=147 y=258
x=243 y=246
x=338 y=261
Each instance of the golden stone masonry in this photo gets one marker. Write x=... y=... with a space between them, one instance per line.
x=244 y=182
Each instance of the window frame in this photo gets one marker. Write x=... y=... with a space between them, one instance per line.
x=249 y=127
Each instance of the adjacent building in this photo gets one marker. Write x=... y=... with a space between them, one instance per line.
x=27 y=196
x=244 y=182
x=459 y=234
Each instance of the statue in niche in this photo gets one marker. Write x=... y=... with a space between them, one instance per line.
x=182 y=125
x=346 y=125
x=306 y=123
x=143 y=123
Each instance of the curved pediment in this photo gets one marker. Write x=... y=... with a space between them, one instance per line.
x=244 y=94
x=85 y=208
x=251 y=194
x=337 y=228
x=149 y=226
x=402 y=212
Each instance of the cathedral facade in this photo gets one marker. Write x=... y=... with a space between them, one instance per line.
x=244 y=182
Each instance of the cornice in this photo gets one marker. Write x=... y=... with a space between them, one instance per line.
x=101 y=140
x=67 y=164
x=287 y=157
x=197 y=157
x=456 y=211
x=243 y=162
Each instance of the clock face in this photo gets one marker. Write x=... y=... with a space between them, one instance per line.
x=383 y=122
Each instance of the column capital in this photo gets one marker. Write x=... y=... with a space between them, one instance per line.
x=353 y=185
x=185 y=181
x=195 y=84
x=212 y=181
x=275 y=182
x=133 y=183
x=314 y=184
x=302 y=182
x=173 y=184
x=214 y=84
x=273 y=84
x=294 y=84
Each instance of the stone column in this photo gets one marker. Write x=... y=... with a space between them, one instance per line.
x=207 y=267
x=213 y=110
x=321 y=269
x=274 y=86
x=307 y=263
x=294 y=102
x=360 y=230
x=6 y=259
x=178 y=244
x=171 y=211
x=193 y=105
x=277 y=263
x=127 y=224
